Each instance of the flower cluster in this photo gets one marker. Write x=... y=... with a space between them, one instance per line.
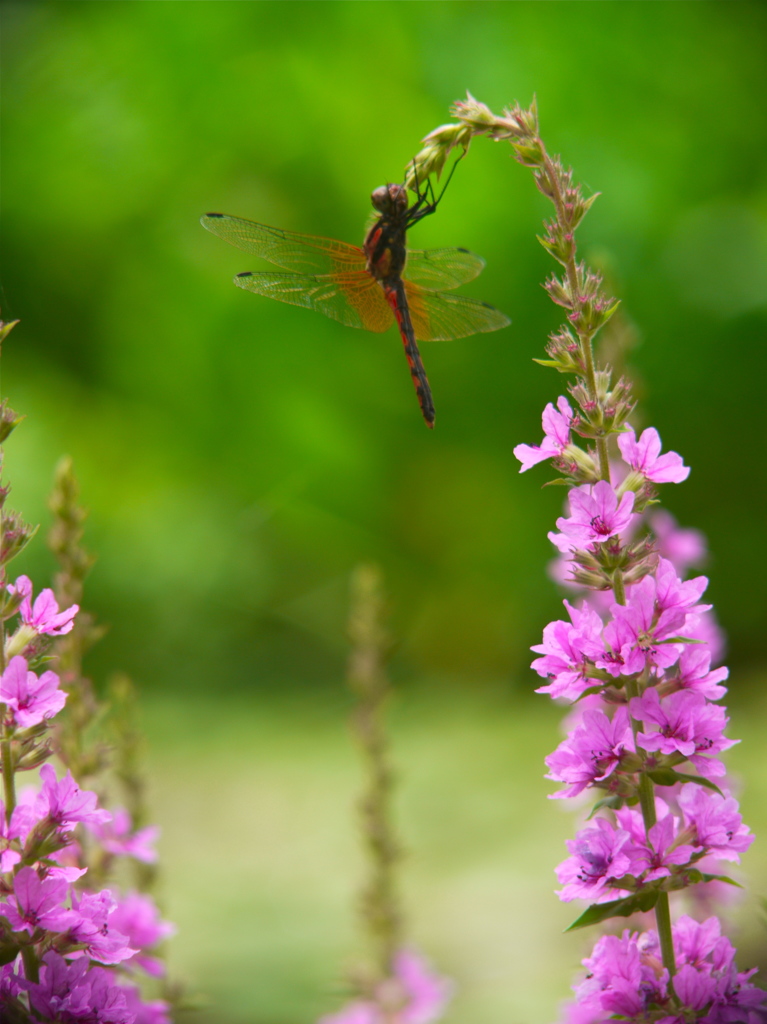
x=68 y=953
x=636 y=656
x=626 y=979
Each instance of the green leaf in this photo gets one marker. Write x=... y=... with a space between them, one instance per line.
x=699 y=876
x=612 y=802
x=669 y=777
x=554 y=364
x=8 y=953
x=560 y=482
x=598 y=912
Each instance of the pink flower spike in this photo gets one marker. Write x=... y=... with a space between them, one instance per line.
x=556 y=428
x=644 y=456
x=595 y=515
x=32 y=700
x=44 y=616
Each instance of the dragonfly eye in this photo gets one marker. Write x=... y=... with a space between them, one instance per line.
x=380 y=199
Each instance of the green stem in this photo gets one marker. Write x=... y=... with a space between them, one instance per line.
x=9 y=782
x=663 y=924
x=619 y=590
x=31 y=966
x=649 y=817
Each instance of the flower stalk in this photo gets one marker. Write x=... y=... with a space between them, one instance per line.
x=635 y=660
x=379 y=906
x=69 y=950
x=400 y=988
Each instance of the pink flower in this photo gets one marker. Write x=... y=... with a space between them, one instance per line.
x=659 y=852
x=620 y=981
x=155 y=1012
x=65 y=803
x=564 y=661
x=44 y=616
x=595 y=515
x=714 y=822
x=413 y=995
x=687 y=724
x=92 y=927
x=77 y=992
x=644 y=456
x=36 y=903
x=592 y=753
x=116 y=837
x=556 y=427
x=32 y=700
x=658 y=609
x=693 y=672
x=684 y=548
x=601 y=855
x=138 y=918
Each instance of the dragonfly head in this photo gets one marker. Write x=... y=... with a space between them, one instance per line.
x=390 y=199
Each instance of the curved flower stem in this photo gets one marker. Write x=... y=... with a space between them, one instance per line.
x=584 y=337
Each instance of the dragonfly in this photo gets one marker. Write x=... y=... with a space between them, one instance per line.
x=373 y=287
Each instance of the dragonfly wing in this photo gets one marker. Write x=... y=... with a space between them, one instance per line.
x=435 y=269
x=439 y=317
x=300 y=253
x=356 y=299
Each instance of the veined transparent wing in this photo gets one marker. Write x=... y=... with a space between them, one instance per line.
x=355 y=299
x=435 y=269
x=299 y=253
x=440 y=317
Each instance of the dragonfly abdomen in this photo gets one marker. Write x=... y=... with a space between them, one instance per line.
x=397 y=299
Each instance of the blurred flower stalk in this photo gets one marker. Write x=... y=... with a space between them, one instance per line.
x=634 y=659
x=78 y=935
x=396 y=986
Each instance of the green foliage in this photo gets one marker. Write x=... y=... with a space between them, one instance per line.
x=598 y=912
x=239 y=456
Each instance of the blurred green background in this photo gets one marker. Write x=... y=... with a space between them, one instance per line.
x=240 y=456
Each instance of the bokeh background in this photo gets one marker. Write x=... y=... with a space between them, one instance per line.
x=239 y=456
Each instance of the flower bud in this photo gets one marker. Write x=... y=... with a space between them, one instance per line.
x=16 y=534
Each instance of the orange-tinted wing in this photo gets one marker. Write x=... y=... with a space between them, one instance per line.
x=439 y=317
x=435 y=269
x=304 y=254
x=355 y=299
